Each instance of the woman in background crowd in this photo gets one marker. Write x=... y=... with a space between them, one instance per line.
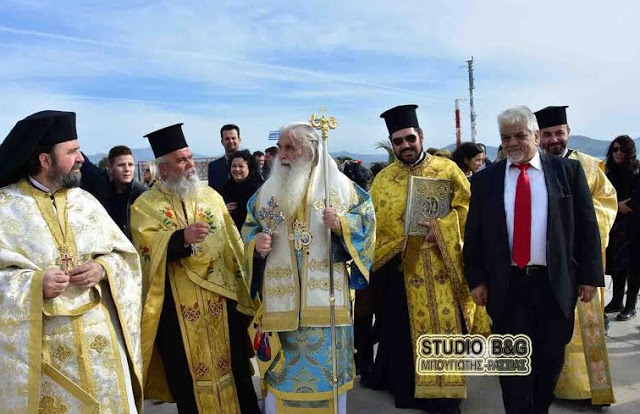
x=149 y=174
x=469 y=157
x=500 y=154
x=243 y=182
x=487 y=161
x=623 y=261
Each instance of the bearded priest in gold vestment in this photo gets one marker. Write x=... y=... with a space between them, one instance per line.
x=191 y=255
x=70 y=282
x=585 y=374
x=419 y=281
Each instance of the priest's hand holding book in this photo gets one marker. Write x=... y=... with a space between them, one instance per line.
x=430 y=236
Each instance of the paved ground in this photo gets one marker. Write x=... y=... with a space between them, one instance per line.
x=484 y=392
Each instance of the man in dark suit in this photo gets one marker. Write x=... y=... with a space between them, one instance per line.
x=219 y=169
x=531 y=248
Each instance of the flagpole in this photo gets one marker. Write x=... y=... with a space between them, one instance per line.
x=324 y=124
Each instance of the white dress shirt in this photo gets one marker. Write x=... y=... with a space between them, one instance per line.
x=539 y=202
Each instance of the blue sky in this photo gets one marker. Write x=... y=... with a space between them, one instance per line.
x=130 y=67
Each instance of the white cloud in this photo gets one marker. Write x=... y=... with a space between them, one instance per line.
x=263 y=64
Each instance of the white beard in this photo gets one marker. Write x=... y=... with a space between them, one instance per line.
x=288 y=184
x=185 y=186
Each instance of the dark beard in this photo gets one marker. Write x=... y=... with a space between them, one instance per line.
x=399 y=157
x=61 y=179
x=71 y=179
x=557 y=150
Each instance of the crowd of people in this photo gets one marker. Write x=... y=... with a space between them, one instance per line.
x=115 y=290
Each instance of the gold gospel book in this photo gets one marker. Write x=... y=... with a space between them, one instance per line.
x=427 y=199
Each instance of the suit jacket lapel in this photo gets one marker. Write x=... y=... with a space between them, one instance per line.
x=554 y=192
x=498 y=209
x=551 y=180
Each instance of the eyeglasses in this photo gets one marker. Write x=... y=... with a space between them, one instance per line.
x=411 y=139
x=618 y=149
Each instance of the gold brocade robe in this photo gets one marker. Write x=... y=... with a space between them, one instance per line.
x=78 y=352
x=200 y=284
x=585 y=373
x=434 y=280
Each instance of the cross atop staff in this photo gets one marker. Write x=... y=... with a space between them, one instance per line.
x=323 y=123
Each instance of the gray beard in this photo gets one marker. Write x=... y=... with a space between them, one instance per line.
x=182 y=186
x=69 y=179
x=288 y=184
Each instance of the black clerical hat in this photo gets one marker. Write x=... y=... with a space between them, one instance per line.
x=551 y=116
x=167 y=140
x=41 y=130
x=403 y=116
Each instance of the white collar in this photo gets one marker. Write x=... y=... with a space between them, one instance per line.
x=37 y=184
x=418 y=161
x=535 y=162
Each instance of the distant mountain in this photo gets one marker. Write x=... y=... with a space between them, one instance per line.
x=587 y=145
x=365 y=158
x=139 y=154
x=145 y=154
x=594 y=147
x=492 y=152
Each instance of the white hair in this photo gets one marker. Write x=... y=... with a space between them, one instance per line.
x=183 y=185
x=518 y=115
x=305 y=134
x=162 y=160
x=289 y=183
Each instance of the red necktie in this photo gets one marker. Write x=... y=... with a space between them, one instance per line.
x=522 y=218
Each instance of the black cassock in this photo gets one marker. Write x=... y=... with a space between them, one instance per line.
x=394 y=367
x=172 y=352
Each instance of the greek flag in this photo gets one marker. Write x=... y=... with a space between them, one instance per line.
x=274 y=135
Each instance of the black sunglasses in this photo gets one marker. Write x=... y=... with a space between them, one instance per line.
x=399 y=140
x=618 y=149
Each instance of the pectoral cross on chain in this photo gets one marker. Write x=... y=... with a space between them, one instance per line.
x=65 y=261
